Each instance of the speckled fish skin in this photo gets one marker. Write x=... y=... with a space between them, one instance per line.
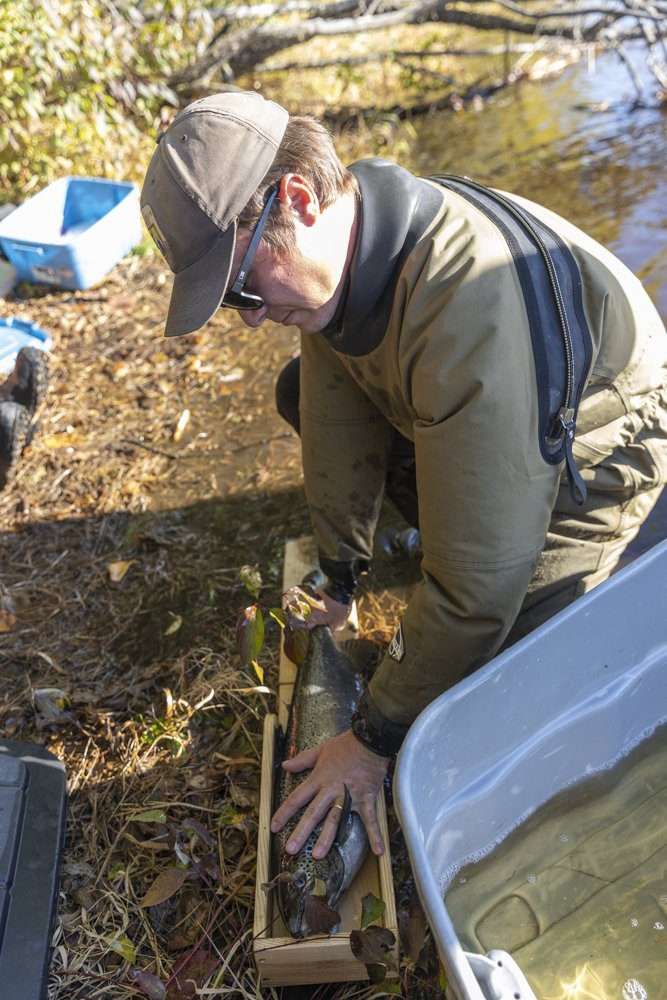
x=325 y=695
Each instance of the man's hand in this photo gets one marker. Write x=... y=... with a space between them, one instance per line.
x=339 y=763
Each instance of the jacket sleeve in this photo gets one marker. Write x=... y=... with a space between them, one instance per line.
x=485 y=502
x=345 y=445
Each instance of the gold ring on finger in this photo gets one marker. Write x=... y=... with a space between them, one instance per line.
x=338 y=805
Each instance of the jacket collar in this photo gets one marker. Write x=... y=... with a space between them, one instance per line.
x=395 y=209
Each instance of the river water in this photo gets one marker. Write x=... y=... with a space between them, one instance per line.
x=602 y=169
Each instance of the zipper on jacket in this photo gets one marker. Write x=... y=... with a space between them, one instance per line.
x=567 y=412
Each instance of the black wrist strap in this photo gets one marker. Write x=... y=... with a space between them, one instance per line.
x=375 y=731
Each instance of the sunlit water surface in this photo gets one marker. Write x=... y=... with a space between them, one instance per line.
x=602 y=169
x=578 y=893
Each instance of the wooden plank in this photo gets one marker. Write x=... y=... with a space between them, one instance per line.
x=282 y=960
x=262 y=911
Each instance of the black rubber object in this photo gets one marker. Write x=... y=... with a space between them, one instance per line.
x=14 y=433
x=32 y=824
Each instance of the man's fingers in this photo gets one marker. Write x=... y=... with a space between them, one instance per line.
x=302 y=761
x=294 y=801
x=311 y=817
x=329 y=828
x=368 y=812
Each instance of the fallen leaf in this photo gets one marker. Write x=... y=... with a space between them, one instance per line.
x=119 y=370
x=165 y=885
x=258 y=671
x=51 y=706
x=150 y=816
x=78 y=869
x=229 y=816
x=7 y=620
x=117 y=570
x=190 y=975
x=150 y=985
x=373 y=947
x=372 y=910
x=412 y=928
x=199 y=829
x=181 y=424
x=319 y=916
x=188 y=922
x=123 y=947
x=175 y=624
x=234 y=375
x=66 y=439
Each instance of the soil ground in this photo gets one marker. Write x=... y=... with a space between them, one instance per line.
x=121 y=543
x=120 y=550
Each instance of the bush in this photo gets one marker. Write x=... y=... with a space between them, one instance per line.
x=82 y=85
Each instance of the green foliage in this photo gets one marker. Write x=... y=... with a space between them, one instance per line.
x=82 y=84
x=372 y=910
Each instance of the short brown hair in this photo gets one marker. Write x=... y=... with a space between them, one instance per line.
x=306 y=149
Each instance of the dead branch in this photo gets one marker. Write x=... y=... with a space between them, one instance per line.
x=632 y=72
x=240 y=51
x=391 y=54
x=569 y=12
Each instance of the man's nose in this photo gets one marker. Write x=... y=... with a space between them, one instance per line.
x=253 y=317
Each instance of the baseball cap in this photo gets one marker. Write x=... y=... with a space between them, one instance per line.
x=204 y=170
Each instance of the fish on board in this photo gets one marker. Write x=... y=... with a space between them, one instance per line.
x=326 y=692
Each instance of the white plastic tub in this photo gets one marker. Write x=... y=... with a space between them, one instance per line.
x=563 y=703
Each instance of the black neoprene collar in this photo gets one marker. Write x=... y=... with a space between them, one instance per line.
x=395 y=210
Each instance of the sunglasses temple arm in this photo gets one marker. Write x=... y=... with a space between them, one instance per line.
x=254 y=242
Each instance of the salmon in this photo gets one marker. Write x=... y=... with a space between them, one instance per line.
x=326 y=692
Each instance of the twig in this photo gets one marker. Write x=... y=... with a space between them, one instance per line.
x=257 y=444
x=392 y=54
x=151 y=448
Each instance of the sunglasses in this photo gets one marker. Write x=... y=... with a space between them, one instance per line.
x=235 y=297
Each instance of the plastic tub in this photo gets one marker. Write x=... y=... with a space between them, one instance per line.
x=73 y=232
x=565 y=701
x=18 y=333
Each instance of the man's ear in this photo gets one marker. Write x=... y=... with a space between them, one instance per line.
x=298 y=197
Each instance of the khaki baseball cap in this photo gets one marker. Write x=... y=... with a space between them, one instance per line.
x=204 y=170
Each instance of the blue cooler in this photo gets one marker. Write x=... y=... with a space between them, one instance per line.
x=73 y=232
x=18 y=333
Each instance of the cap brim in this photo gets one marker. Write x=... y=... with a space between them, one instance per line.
x=199 y=289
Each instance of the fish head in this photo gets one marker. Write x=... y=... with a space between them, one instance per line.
x=292 y=893
x=307 y=897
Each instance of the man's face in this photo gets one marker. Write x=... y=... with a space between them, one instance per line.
x=296 y=289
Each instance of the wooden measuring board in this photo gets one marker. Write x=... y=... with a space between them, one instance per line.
x=282 y=960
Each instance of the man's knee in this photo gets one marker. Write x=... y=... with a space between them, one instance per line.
x=287 y=393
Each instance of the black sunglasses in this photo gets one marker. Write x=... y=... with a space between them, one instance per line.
x=235 y=297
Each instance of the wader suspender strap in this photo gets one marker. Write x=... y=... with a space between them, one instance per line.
x=562 y=344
